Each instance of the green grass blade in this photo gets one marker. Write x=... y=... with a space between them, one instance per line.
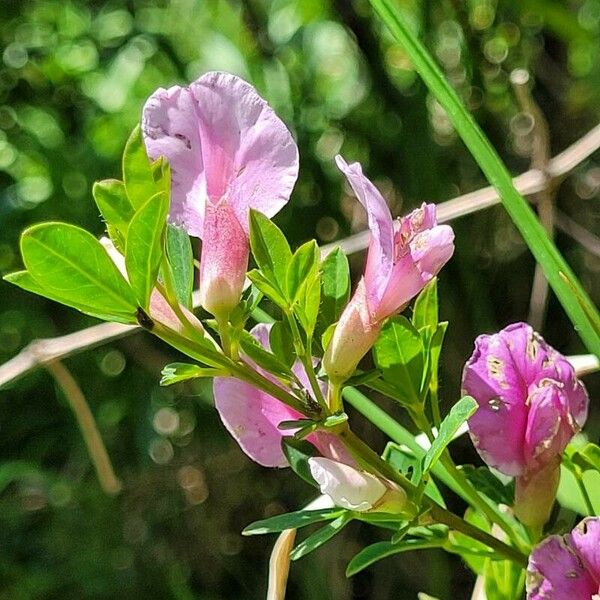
x=580 y=309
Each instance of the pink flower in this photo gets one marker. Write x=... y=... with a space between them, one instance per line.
x=567 y=567
x=252 y=416
x=228 y=152
x=530 y=405
x=403 y=256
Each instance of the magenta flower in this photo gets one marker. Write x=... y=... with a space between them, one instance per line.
x=530 y=405
x=252 y=416
x=567 y=567
x=403 y=256
x=228 y=152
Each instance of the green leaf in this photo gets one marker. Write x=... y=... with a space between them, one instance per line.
x=587 y=458
x=487 y=483
x=144 y=249
x=335 y=287
x=282 y=342
x=435 y=349
x=161 y=173
x=176 y=372
x=425 y=312
x=321 y=536
x=578 y=306
x=405 y=461
x=304 y=263
x=327 y=335
x=399 y=354
x=113 y=203
x=375 y=552
x=262 y=357
x=181 y=261
x=137 y=171
x=291 y=520
x=297 y=453
x=267 y=288
x=307 y=307
x=72 y=264
x=270 y=249
x=25 y=281
x=458 y=414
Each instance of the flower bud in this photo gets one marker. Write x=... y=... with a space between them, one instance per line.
x=352 y=338
x=224 y=260
x=356 y=490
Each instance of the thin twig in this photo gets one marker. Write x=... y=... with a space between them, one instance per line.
x=544 y=199
x=580 y=234
x=40 y=352
x=85 y=419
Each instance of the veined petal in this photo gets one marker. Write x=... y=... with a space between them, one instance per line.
x=221 y=139
x=585 y=539
x=557 y=572
x=381 y=247
x=170 y=128
x=252 y=416
x=498 y=427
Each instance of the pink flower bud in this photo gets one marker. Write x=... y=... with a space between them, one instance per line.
x=352 y=338
x=567 y=567
x=228 y=152
x=356 y=490
x=530 y=405
x=224 y=260
x=403 y=256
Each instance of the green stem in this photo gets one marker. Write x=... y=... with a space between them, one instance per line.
x=304 y=355
x=370 y=458
x=441 y=515
x=575 y=300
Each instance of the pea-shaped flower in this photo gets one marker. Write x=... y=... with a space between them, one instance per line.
x=228 y=152
x=530 y=405
x=252 y=416
x=403 y=256
x=567 y=567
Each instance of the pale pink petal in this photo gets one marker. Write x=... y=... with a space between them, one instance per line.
x=348 y=487
x=432 y=249
x=224 y=259
x=353 y=336
x=251 y=416
x=221 y=139
x=556 y=572
x=585 y=539
x=249 y=153
x=170 y=129
x=381 y=247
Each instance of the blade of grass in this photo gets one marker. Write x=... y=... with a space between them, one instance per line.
x=575 y=301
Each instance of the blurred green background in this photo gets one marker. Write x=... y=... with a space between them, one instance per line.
x=73 y=78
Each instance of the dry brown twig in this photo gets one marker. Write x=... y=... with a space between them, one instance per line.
x=41 y=352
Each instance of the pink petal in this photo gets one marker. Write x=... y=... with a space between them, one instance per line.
x=555 y=572
x=170 y=129
x=221 y=139
x=498 y=427
x=354 y=334
x=381 y=247
x=585 y=539
x=432 y=249
x=548 y=429
x=251 y=416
